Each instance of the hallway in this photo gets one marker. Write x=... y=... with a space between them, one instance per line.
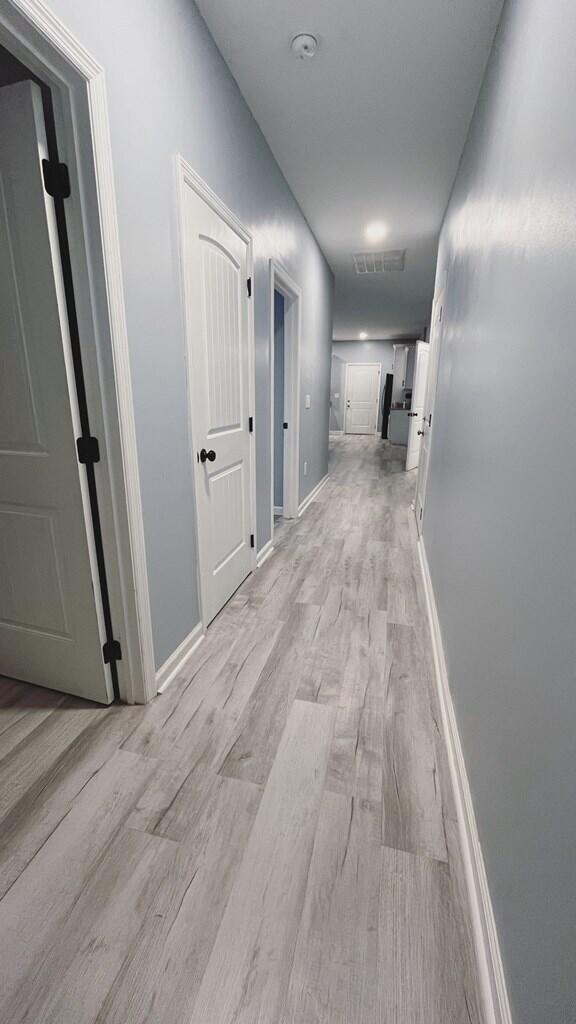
x=271 y=840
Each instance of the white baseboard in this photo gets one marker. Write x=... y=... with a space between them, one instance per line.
x=313 y=494
x=336 y=432
x=176 y=663
x=264 y=553
x=489 y=961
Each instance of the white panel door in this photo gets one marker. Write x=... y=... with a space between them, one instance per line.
x=436 y=327
x=49 y=620
x=362 y=397
x=416 y=414
x=215 y=270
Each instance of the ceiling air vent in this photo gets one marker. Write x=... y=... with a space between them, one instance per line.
x=378 y=262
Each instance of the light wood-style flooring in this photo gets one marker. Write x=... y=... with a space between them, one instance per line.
x=271 y=841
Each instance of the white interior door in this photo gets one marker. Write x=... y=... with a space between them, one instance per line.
x=416 y=414
x=362 y=396
x=436 y=326
x=50 y=633
x=215 y=269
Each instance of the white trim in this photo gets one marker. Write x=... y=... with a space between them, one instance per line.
x=264 y=553
x=186 y=175
x=313 y=495
x=336 y=433
x=489 y=961
x=361 y=363
x=281 y=281
x=33 y=33
x=177 y=661
x=278 y=510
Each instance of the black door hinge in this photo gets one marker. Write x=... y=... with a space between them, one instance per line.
x=251 y=540
x=250 y=424
x=249 y=287
x=88 y=450
x=111 y=651
x=285 y=426
x=430 y=420
x=56 y=179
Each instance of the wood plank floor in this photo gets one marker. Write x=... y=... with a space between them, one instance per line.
x=274 y=839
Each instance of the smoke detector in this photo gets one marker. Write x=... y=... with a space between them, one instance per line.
x=304 y=45
x=379 y=262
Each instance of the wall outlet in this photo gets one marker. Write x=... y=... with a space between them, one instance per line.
x=305 y=469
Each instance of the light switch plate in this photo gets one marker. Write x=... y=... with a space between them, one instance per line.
x=307 y=401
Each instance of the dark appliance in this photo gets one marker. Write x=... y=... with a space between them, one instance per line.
x=386 y=403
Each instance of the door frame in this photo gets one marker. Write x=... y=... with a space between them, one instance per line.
x=362 y=363
x=30 y=31
x=436 y=333
x=281 y=281
x=186 y=176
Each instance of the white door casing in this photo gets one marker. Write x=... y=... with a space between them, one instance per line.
x=51 y=631
x=215 y=273
x=436 y=327
x=362 y=397
x=416 y=413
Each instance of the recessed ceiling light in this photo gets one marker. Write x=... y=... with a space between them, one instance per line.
x=304 y=45
x=362 y=335
x=376 y=231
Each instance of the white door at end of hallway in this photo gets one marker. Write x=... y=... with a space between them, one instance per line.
x=362 y=397
x=416 y=414
x=217 y=328
x=51 y=632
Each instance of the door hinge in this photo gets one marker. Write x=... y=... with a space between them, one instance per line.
x=249 y=287
x=250 y=424
x=88 y=450
x=56 y=179
x=430 y=420
x=251 y=540
x=111 y=651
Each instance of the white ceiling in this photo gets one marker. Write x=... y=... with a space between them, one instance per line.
x=370 y=128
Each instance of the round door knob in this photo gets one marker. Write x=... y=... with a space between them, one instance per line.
x=207 y=455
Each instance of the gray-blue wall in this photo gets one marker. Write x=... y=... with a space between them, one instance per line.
x=169 y=91
x=500 y=516
x=278 y=399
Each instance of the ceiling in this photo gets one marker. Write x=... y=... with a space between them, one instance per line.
x=370 y=128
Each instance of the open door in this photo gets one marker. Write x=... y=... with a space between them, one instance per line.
x=427 y=420
x=50 y=628
x=416 y=414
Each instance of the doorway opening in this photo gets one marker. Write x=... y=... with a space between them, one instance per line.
x=285 y=320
